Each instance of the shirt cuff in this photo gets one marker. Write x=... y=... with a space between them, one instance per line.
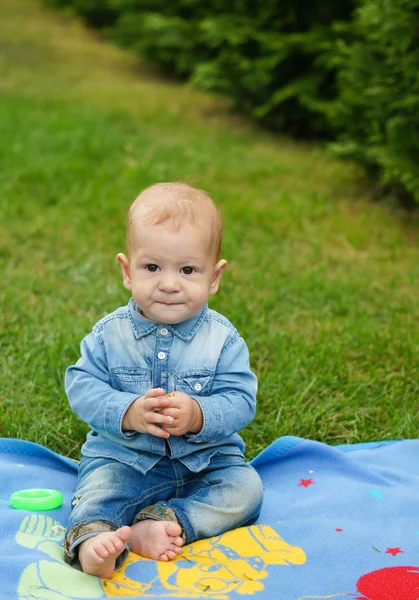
x=212 y=421
x=115 y=413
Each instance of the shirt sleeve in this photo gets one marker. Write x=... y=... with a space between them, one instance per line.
x=90 y=393
x=232 y=402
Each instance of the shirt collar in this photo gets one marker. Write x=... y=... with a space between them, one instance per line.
x=184 y=330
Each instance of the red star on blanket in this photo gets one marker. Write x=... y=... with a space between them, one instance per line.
x=393 y=551
x=306 y=482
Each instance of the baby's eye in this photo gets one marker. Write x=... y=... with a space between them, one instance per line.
x=187 y=270
x=152 y=268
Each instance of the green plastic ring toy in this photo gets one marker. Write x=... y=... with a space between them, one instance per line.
x=36 y=499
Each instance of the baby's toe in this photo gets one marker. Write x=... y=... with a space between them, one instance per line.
x=101 y=551
x=173 y=529
x=178 y=541
x=108 y=545
x=124 y=533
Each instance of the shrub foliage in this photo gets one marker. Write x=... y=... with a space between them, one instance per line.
x=346 y=71
x=376 y=112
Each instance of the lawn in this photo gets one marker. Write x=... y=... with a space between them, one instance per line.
x=322 y=281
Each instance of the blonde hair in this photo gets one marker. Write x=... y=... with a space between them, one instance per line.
x=176 y=203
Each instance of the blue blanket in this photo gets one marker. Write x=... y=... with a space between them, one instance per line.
x=337 y=522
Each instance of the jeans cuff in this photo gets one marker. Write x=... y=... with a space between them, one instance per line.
x=159 y=512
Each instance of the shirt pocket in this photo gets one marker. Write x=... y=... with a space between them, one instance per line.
x=196 y=383
x=131 y=379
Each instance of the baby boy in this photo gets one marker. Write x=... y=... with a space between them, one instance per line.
x=164 y=384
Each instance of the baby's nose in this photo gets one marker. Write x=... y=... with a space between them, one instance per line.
x=169 y=283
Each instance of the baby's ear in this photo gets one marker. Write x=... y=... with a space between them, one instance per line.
x=219 y=269
x=126 y=271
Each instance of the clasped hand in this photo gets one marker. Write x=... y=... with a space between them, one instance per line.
x=163 y=415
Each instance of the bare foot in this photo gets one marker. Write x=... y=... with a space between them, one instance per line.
x=98 y=554
x=159 y=540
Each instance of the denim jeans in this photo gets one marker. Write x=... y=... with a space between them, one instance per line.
x=225 y=495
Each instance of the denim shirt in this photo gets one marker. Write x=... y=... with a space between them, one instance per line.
x=126 y=354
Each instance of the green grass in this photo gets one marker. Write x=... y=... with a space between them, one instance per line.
x=322 y=281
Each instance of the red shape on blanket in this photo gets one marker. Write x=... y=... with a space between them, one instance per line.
x=306 y=482
x=394 y=551
x=392 y=583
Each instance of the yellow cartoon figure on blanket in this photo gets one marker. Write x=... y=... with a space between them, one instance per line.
x=235 y=561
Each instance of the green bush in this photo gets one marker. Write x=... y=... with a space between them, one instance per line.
x=96 y=13
x=265 y=56
x=376 y=114
x=342 y=70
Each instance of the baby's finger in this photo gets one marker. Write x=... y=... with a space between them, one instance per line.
x=154 y=392
x=155 y=404
x=158 y=431
x=170 y=412
x=155 y=418
x=177 y=399
x=175 y=429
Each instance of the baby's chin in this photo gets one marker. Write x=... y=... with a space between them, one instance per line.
x=169 y=314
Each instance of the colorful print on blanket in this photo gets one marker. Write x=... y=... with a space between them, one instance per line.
x=237 y=560
x=337 y=522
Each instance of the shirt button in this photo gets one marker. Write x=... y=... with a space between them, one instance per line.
x=197 y=387
x=164 y=331
x=161 y=355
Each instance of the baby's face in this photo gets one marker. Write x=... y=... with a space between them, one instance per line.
x=171 y=274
